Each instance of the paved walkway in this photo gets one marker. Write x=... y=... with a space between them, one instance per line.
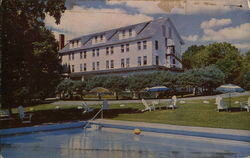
x=202 y=132
x=139 y=101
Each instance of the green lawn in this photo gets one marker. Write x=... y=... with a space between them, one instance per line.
x=192 y=113
x=196 y=113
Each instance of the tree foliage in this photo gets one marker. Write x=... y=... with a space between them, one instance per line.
x=225 y=56
x=30 y=63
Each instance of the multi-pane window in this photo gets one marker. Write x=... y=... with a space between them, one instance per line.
x=73 y=68
x=122 y=63
x=97 y=52
x=156 y=60
x=69 y=68
x=112 y=64
x=144 y=44
x=144 y=60
x=122 y=48
x=173 y=61
x=127 y=62
x=139 y=61
x=130 y=32
x=77 y=42
x=93 y=66
x=93 y=53
x=80 y=55
x=127 y=47
x=101 y=37
x=96 y=39
x=166 y=42
x=84 y=54
x=85 y=67
x=69 y=56
x=139 y=45
x=112 y=50
x=156 y=45
x=123 y=33
x=97 y=65
x=72 y=56
x=107 y=64
x=171 y=49
x=107 y=50
x=80 y=67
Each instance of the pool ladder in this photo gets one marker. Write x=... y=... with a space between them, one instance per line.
x=105 y=106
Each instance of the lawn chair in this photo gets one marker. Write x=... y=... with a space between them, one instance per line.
x=245 y=105
x=5 y=115
x=147 y=107
x=221 y=105
x=217 y=99
x=172 y=104
x=86 y=108
x=25 y=118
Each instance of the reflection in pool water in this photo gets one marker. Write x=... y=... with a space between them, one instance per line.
x=114 y=143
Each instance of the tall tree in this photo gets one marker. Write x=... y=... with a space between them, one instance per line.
x=29 y=61
x=224 y=55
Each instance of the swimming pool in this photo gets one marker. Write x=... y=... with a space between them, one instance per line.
x=117 y=143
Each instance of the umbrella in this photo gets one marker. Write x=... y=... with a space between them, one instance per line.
x=229 y=88
x=158 y=89
x=99 y=90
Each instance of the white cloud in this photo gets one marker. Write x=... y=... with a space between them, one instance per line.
x=192 y=38
x=215 y=22
x=144 y=7
x=79 y=20
x=241 y=32
x=242 y=45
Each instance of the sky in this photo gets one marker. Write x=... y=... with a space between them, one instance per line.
x=199 y=22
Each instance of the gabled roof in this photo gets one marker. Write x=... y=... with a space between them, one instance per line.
x=143 y=31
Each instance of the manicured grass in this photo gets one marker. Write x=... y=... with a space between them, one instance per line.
x=191 y=113
x=196 y=113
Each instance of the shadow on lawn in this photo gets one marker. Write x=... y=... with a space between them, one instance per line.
x=62 y=115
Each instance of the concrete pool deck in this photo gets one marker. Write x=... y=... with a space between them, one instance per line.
x=217 y=133
x=195 y=132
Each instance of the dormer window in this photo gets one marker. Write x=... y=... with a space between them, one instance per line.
x=98 y=39
x=123 y=33
x=126 y=33
x=130 y=32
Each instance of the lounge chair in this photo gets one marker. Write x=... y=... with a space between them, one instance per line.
x=86 y=108
x=245 y=105
x=172 y=104
x=221 y=105
x=24 y=117
x=147 y=107
x=217 y=99
x=5 y=115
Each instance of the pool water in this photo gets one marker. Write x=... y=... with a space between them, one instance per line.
x=117 y=143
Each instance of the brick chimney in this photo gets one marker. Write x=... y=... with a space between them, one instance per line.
x=61 y=41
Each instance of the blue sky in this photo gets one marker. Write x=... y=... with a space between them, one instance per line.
x=197 y=21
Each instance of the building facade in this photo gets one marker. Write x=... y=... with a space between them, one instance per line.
x=148 y=46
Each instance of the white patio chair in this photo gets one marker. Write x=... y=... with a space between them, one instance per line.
x=172 y=103
x=245 y=105
x=222 y=105
x=147 y=107
x=25 y=118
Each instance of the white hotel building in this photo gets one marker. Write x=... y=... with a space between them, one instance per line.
x=144 y=47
